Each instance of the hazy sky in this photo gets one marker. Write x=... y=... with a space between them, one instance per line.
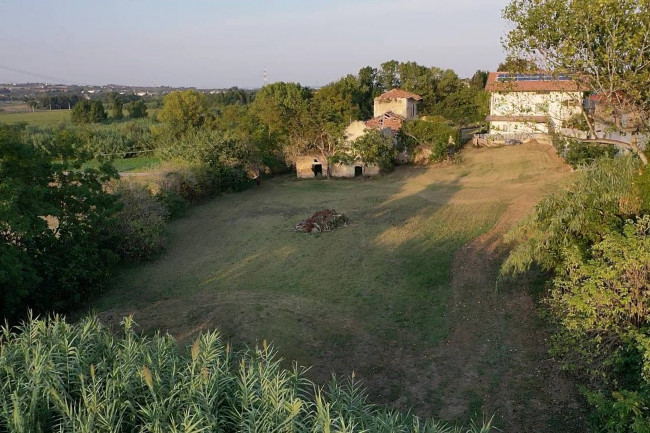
x=215 y=43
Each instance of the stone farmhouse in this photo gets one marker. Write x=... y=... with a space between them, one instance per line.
x=524 y=106
x=391 y=109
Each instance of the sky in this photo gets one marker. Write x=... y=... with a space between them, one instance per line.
x=218 y=44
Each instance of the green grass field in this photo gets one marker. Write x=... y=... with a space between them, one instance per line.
x=43 y=118
x=383 y=297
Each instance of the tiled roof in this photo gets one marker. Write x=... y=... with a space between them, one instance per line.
x=530 y=83
x=398 y=94
x=386 y=120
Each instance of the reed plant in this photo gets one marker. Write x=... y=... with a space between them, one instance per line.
x=81 y=377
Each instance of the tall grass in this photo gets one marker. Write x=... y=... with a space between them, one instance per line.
x=82 y=378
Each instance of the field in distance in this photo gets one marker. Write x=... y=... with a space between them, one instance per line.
x=15 y=113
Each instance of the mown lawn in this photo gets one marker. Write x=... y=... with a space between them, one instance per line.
x=375 y=297
x=389 y=271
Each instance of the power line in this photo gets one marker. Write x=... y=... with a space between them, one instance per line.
x=37 y=75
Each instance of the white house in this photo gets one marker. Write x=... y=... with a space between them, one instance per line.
x=528 y=104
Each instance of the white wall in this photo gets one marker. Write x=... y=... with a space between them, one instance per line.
x=558 y=106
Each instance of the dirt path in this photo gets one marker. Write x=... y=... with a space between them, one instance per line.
x=498 y=331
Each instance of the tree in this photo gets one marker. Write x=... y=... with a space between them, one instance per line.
x=388 y=75
x=602 y=44
x=185 y=111
x=118 y=105
x=329 y=113
x=283 y=109
x=55 y=220
x=137 y=109
x=435 y=134
x=373 y=147
x=369 y=88
x=87 y=111
x=478 y=80
x=517 y=64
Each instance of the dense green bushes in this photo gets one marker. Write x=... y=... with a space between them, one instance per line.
x=56 y=242
x=594 y=238
x=197 y=183
x=140 y=224
x=83 y=378
x=578 y=154
x=114 y=140
x=436 y=134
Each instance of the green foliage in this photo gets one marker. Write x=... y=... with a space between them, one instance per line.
x=87 y=111
x=515 y=64
x=602 y=43
x=114 y=140
x=118 y=105
x=197 y=183
x=232 y=96
x=594 y=236
x=579 y=154
x=283 y=109
x=55 y=223
x=183 y=112
x=599 y=202
x=137 y=109
x=72 y=378
x=478 y=80
x=373 y=147
x=465 y=106
x=435 y=134
x=140 y=223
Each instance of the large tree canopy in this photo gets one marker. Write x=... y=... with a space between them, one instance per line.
x=603 y=44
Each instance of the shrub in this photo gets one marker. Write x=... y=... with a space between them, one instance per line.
x=56 y=247
x=83 y=378
x=594 y=238
x=140 y=223
x=174 y=203
x=436 y=134
x=578 y=154
x=200 y=182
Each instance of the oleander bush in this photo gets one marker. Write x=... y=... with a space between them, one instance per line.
x=55 y=376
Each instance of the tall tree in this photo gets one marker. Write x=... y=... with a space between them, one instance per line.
x=604 y=45
x=137 y=109
x=87 y=111
x=118 y=105
x=184 y=111
x=369 y=88
x=388 y=75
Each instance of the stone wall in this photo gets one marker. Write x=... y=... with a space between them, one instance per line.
x=305 y=165
x=406 y=108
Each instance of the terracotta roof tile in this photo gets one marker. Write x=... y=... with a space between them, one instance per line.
x=545 y=84
x=397 y=94
x=386 y=120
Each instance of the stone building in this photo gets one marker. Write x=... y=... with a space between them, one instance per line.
x=391 y=109
x=525 y=105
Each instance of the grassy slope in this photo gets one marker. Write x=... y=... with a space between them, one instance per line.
x=368 y=298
